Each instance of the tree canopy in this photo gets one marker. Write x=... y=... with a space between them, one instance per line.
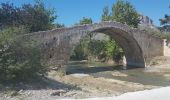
x=165 y=20
x=106 y=16
x=85 y=21
x=123 y=12
x=35 y=17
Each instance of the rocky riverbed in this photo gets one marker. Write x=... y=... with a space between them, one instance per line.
x=71 y=86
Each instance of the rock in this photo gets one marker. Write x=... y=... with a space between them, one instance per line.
x=145 y=21
x=167 y=75
x=58 y=93
x=20 y=91
x=119 y=74
x=70 y=94
x=79 y=75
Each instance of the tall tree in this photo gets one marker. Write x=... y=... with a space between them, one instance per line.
x=35 y=17
x=124 y=12
x=106 y=14
x=8 y=15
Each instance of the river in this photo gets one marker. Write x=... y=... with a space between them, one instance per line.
x=139 y=75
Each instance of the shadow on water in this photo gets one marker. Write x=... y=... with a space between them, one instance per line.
x=90 y=70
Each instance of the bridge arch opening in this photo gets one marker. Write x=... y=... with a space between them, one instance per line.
x=131 y=49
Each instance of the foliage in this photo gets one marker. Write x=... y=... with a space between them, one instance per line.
x=35 y=17
x=59 y=25
x=80 y=51
x=106 y=16
x=161 y=34
x=112 y=50
x=165 y=20
x=85 y=21
x=100 y=49
x=124 y=12
x=20 y=59
x=96 y=47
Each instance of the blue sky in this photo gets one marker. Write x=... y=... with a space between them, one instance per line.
x=71 y=11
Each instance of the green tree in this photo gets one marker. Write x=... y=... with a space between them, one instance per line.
x=8 y=15
x=36 y=17
x=58 y=25
x=124 y=12
x=165 y=20
x=111 y=49
x=106 y=16
x=85 y=21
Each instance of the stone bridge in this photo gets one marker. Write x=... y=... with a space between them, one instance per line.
x=138 y=46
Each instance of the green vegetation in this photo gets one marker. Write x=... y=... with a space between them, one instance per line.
x=106 y=16
x=86 y=21
x=165 y=20
x=104 y=50
x=20 y=59
x=80 y=52
x=165 y=29
x=123 y=12
x=33 y=17
x=91 y=49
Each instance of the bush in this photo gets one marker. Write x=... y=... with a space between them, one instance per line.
x=20 y=59
x=103 y=50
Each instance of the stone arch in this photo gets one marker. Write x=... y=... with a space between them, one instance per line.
x=131 y=48
x=123 y=36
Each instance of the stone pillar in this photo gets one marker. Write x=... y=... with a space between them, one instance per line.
x=166 y=47
x=135 y=63
x=124 y=61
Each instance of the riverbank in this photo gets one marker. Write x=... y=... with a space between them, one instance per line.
x=74 y=86
x=96 y=82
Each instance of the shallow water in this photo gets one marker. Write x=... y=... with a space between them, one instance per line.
x=139 y=75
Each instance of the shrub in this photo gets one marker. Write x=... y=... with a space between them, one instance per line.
x=20 y=59
x=97 y=49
